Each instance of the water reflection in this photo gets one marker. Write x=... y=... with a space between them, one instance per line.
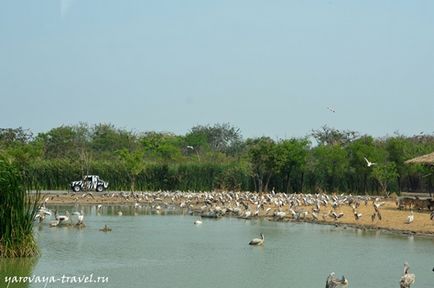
x=15 y=269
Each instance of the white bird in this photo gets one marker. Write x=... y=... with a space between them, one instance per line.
x=61 y=218
x=54 y=223
x=410 y=218
x=190 y=147
x=120 y=213
x=357 y=215
x=197 y=222
x=407 y=279
x=331 y=109
x=80 y=217
x=257 y=241
x=369 y=163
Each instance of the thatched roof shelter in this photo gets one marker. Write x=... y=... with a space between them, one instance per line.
x=427 y=159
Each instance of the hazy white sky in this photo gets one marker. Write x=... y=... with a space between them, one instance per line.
x=268 y=67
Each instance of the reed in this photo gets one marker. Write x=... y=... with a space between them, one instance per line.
x=17 y=211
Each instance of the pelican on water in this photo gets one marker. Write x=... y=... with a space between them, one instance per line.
x=407 y=279
x=257 y=241
x=197 y=222
x=61 y=218
x=333 y=282
x=80 y=216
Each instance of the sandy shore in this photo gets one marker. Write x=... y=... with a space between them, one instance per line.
x=392 y=219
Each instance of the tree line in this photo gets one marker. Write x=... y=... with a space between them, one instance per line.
x=217 y=157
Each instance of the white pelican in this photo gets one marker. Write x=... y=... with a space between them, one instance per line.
x=369 y=163
x=61 y=218
x=257 y=241
x=120 y=213
x=42 y=213
x=410 y=218
x=408 y=278
x=333 y=282
x=80 y=217
x=197 y=222
x=54 y=223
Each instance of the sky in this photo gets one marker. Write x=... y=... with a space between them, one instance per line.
x=269 y=67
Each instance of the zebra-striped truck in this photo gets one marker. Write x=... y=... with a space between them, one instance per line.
x=89 y=183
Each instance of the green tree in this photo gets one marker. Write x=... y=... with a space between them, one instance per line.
x=385 y=173
x=291 y=156
x=218 y=138
x=331 y=136
x=329 y=166
x=261 y=155
x=134 y=164
x=105 y=139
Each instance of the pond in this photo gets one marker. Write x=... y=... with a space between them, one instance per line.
x=146 y=249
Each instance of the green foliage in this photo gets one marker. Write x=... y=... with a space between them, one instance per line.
x=217 y=138
x=216 y=157
x=385 y=174
x=291 y=157
x=133 y=162
x=329 y=164
x=17 y=212
x=261 y=154
x=331 y=136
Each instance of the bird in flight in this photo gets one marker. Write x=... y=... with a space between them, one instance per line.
x=369 y=163
x=331 y=109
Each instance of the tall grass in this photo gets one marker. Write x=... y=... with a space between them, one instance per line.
x=17 y=212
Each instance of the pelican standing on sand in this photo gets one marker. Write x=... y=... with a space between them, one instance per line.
x=410 y=218
x=333 y=282
x=257 y=241
x=407 y=279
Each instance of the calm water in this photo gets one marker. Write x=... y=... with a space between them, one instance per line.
x=167 y=250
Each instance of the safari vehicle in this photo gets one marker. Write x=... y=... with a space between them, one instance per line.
x=89 y=183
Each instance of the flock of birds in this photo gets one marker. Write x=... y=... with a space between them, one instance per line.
x=246 y=205
x=407 y=279
x=277 y=206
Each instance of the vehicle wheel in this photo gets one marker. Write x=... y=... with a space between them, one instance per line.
x=76 y=188
x=99 y=188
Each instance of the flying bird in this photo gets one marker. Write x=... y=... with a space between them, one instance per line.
x=369 y=163
x=331 y=109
